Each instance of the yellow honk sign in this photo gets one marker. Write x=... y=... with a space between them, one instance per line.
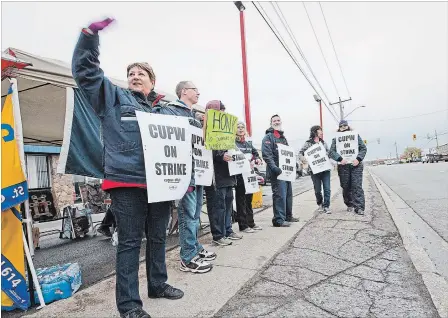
x=220 y=130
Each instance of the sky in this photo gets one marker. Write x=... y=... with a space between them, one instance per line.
x=393 y=56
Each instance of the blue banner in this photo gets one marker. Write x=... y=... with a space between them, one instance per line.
x=14 y=284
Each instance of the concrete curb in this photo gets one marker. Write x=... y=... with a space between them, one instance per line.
x=435 y=283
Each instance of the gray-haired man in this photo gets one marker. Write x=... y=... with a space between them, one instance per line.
x=194 y=258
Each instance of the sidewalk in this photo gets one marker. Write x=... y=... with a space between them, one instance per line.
x=206 y=293
x=339 y=264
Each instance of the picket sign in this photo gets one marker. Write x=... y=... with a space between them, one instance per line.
x=203 y=159
x=168 y=155
x=240 y=164
x=287 y=163
x=250 y=182
x=317 y=158
x=347 y=145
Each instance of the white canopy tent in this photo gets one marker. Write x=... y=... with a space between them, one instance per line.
x=42 y=95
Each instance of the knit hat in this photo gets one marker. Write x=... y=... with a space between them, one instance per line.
x=343 y=122
x=241 y=123
x=215 y=104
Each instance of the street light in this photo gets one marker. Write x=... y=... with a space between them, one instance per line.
x=241 y=9
x=353 y=111
x=317 y=99
x=240 y=5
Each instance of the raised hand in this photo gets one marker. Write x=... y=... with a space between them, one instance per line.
x=100 y=25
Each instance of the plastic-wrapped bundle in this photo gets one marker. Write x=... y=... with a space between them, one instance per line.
x=59 y=281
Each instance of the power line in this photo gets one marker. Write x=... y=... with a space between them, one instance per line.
x=290 y=54
x=321 y=51
x=398 y=118
x=331 y=39
x=292 y=36
x=283 y=42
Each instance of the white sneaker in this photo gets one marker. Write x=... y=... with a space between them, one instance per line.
x=257 y=228
x=248 y=230
x=320 y=208
x=196 y=265
x=222 y=242
x=235 y=236
x=327 y=210
x=206 y=255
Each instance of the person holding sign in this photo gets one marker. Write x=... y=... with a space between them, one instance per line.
x=316 y=152
x=220 y=194
x=281 y=190
x=348 y=144
x=244 y=212
x=193 y=256
x=124 y=169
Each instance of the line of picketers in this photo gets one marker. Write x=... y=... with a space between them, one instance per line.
x=126 y=182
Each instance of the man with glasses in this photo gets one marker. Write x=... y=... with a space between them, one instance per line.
x=281 y=190
x=194 y=258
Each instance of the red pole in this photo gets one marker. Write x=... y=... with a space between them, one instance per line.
x=245 y=81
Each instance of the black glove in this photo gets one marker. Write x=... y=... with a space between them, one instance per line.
x=277 y=171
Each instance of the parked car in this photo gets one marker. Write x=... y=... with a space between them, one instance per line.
x=262 y=173
x=260 y=180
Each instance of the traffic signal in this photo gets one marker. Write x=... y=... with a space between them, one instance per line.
x=365 y=141
x=414 y=137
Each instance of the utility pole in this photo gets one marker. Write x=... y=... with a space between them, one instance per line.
x=396 y=150
x=341 y=106
x=437 y=141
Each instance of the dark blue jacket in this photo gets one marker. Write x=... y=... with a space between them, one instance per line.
x=178 y=108
x=122 y=150
x=362 y=150
x=269 y=150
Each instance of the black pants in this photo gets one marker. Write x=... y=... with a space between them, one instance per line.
x=282 y=200
x=244 y=212
x=219 y=209
x=351 y=184
x=109 y=219
x=133 y=212
x=320 y=180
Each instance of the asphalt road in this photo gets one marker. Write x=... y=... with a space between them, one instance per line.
x=424 y=187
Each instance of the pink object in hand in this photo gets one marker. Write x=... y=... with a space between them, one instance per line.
x=97 y=26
